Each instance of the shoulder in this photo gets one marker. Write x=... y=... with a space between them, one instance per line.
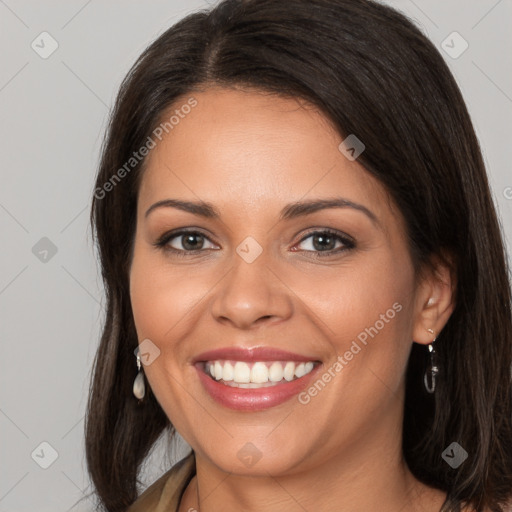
x=165 y=493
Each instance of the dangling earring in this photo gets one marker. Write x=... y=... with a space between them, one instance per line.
x=429 y=379
x=139 y=388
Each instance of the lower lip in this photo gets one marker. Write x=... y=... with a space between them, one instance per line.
x=256 y=399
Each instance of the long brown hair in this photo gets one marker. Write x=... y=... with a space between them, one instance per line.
x=374 y=74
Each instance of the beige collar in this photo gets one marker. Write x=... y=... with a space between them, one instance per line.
x=165 y=494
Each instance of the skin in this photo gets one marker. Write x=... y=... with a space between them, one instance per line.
x=249 y=154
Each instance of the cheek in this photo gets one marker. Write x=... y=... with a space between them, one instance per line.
x=161 y=303
x=162 y=296
x=167 y=302
x=354 y=297
x=367 y=308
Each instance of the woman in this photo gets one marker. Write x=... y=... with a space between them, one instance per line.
x=304 y=270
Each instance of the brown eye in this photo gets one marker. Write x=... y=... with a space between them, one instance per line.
x=327 y=241
x=190 y=241
x=184 y=242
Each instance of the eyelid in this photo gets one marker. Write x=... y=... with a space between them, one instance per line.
x=163 y=240
x=331 y=231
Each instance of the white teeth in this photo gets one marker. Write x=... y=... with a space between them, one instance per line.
x=303 y=369
x=218 y=370
x=289 y=371
x=228 y=372
x=258 y=374
x=299 y=371
x=275 y=372
x=242 y=372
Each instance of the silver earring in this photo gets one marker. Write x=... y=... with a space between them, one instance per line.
x=429 y=379
x=139 y=388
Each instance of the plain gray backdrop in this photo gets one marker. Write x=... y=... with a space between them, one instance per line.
x=53 y=110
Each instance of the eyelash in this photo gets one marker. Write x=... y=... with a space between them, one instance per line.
x=162 y=242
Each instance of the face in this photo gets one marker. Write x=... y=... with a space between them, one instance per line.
x=304 y=316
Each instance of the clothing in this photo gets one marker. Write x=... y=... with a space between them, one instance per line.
x=165 y=494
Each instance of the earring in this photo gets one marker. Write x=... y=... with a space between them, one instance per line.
x=139 y=388
x=429 y=379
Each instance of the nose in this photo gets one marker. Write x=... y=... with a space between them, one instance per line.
x=250 y=295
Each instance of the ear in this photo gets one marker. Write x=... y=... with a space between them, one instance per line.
x=435 y=299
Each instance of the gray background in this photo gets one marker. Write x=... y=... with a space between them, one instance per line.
x=54 y=113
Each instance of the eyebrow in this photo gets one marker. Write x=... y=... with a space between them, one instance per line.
x=290 y=211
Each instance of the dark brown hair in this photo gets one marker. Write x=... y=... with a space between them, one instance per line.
x=373 y=74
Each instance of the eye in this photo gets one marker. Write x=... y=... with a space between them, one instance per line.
x=327 y=242
x=183 y=242
x=324 y=242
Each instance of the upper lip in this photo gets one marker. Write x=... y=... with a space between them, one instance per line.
x=251 y=355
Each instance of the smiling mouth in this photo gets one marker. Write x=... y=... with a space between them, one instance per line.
x=258 y=374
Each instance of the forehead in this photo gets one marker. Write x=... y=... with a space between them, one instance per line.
x=253 y=150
